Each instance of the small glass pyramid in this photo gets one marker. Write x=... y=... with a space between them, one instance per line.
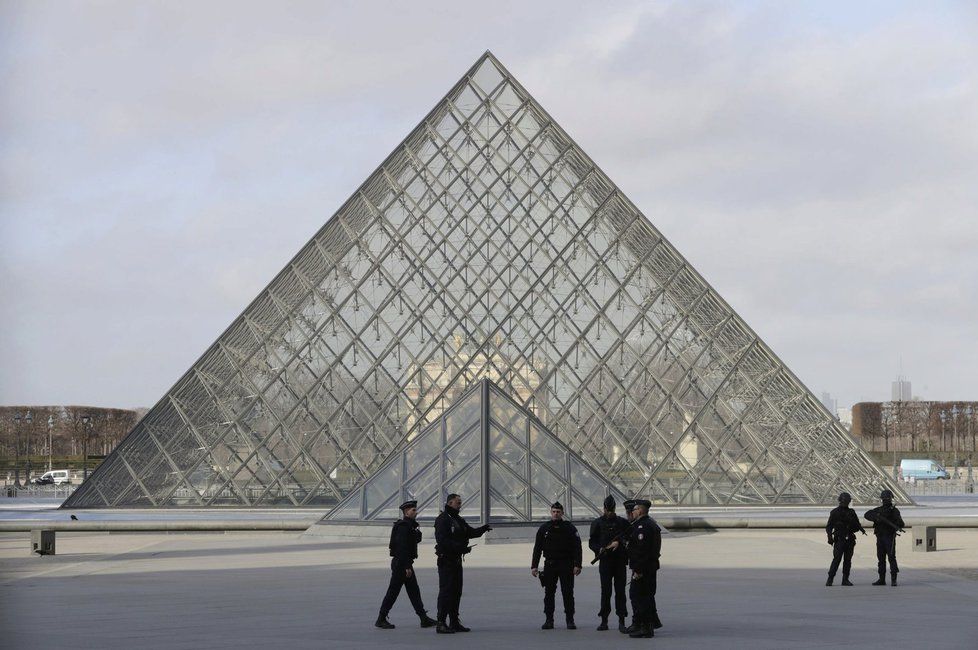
x=502 y=461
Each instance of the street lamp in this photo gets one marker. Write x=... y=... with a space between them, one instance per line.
x=87 y=423
x=17 y=450
x=29 y=419
x=50 y=426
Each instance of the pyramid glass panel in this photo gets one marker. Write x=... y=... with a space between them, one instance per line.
x=486 y=246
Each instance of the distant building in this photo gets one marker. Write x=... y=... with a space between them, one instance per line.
x=901 y=390
x=845 y=416
x=830 y=403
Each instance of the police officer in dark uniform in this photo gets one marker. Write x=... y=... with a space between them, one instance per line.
x=560 y=544
x=405 y=536
x=644 y=548
x=886 y=523
x=841 y=528
x=452 y=535
x=607 y=542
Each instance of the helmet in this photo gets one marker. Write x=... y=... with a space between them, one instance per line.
x=886 y=495
x=845 y=497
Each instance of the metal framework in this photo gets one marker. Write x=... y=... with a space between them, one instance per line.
x=496 y=455
x=486 y=246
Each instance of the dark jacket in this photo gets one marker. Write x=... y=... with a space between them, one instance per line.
x=890 y=513
x=843 y=523
x=558 y=541
x=644 y=545
x=452 y=534
x=403 y=546
x=604 y=530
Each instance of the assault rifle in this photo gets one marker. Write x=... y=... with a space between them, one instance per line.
x=616 y=538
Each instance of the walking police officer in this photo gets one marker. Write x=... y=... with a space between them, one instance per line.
x=607 y=542
x=403 y=545
x=841 y=528
x=452 y=535
x=560 y=544
x=887 y=522
x=644 y=548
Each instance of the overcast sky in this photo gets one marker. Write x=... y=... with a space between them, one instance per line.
x=160 y=162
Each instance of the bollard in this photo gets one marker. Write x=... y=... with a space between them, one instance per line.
x=42 y=542
x=925 y=538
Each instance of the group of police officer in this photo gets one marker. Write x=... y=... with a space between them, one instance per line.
x=619 y=544
x=842 y=527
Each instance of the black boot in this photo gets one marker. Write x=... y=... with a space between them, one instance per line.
x=828 y=583
x=570 y=623
x=656 y=623
x=458 y=627
x=383 y=623
x=881 y=581
x=427 y=621
x=604 y=624
x=628 y=629
x=443 y=629
x=621 y=624
x=548 y=624
x=845 y=581
x=642 y=631
x=893 y=579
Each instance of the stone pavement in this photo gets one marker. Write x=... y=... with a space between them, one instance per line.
x=736 y=588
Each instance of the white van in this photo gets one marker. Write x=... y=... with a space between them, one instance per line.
x=55 y=477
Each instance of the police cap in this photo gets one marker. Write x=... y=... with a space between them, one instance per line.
x=409 y=504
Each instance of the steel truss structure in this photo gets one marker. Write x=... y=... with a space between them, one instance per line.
x=486 y=246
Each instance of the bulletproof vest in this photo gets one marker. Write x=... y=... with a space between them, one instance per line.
x=558 y=541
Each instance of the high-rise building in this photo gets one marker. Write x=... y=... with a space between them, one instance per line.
x=830 y=403
x=487 y=247
x=900 y=390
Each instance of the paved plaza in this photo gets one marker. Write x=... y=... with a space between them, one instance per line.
x=736 y=588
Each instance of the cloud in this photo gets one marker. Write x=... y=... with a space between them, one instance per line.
x=158 y=166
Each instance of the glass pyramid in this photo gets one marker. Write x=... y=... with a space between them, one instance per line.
x=493 y=453
x=486 y=246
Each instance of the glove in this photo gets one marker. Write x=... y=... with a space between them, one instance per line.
x=830 y=541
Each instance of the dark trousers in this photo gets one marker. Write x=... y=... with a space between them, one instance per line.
x=613 y=571
x=552 y=573
x=399 y=579
x=642 y=594
x=449 y=587
x=842 y=550
x=886 y=548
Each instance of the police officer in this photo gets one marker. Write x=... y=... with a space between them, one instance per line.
x=841 y=528
x=452 y=535
x=403 y=545
x=560 y=544
x=644 y=547
x=886 y=523
x=607 y=542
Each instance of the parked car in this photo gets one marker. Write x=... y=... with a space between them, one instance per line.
x=54 y=477
x=922 y=469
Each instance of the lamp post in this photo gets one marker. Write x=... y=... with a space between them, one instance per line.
x=29 y=419
x=17 y=450
x=50 y=426
x=87 y=423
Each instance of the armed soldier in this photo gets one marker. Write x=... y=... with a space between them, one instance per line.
x=644 y=548
x=841 y=528
x=403 y=545
x=560 y=544
x=607 y=542
x=452 y=535
x=887 y=525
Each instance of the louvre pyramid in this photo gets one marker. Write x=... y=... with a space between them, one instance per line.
x=496 y=455
x=486 y=246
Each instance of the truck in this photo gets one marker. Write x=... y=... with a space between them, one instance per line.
x=922 y=469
